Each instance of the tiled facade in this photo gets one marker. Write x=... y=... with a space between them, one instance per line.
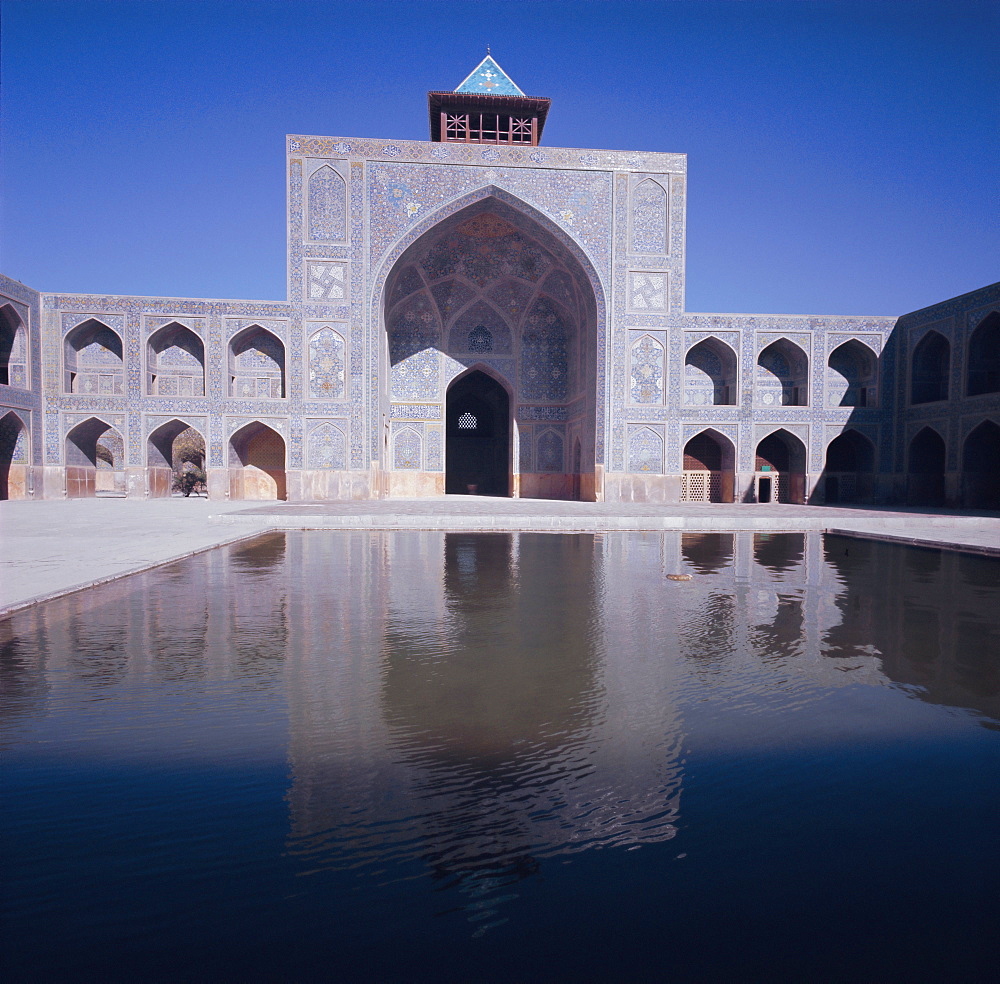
x=557 y=273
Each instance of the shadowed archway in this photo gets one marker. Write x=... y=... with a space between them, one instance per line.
x=850 y=466
x=477 y=449
x=981 y=467
x=925 y=469
x=488 y=283
x=780 y=466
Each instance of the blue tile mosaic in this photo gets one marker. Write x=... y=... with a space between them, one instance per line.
x=558 y=270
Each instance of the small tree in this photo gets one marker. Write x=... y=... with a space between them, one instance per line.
x=191 y=479
x=189 y=462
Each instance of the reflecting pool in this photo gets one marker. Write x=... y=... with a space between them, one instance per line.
x=508 y=757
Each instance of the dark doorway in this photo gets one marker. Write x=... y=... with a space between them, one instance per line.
x=850 y=464
x=477 y=451
x=981 y=467
x=925 y=472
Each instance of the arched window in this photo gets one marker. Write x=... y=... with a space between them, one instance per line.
x=14 y=457
x=850 y=463
x=95 y=460
x=175 y=458
x=929 y=369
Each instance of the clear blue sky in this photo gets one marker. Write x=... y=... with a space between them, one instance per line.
x=844 y=158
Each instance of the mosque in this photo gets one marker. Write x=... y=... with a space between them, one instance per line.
x=481 y=314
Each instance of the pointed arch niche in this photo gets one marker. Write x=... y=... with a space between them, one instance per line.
x=491 y=286
x=929 y=369
x=649 y=217
x=13 y=349
x=256 y=364
x=925 y=462
x=780 y=468
x=172 y=448
x=849 y=475
x=851 y=376
x=14 y=457
x=326 y=197
x=95 y=460
x=92 y=360
x=983 y=366
x=709 y=473
x=175 y=362
x=257 y=463
x=981 y=467
x=710 y=374
x=782 y=375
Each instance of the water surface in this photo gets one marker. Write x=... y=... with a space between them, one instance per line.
x=424 y=756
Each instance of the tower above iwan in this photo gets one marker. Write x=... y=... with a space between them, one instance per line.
x=487 y=108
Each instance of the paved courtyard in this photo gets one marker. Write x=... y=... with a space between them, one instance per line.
x=49 y=548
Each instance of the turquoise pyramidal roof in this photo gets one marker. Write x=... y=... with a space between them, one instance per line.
x=489 y=79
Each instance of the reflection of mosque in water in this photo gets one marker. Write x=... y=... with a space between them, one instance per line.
x=477 y=703
x=499 y=730
x=520 y=697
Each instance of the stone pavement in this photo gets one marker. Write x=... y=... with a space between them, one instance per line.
x=49 y=548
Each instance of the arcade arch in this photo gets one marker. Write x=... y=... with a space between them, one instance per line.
x=983 y=365
x=493 y=303
x=929 y=369
x=256 y=364
x=257 y=463
x=14 y=460
x=13 y=349
x=710 y=374
x=709 y=473
x=850 y=468
x=92 y=360
x=851 y=375
x=783 y=375
x=780 y=466
x=925 y=462
x=175 y=362
x=170 y=448
x=981 y=467
x=95 y=460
